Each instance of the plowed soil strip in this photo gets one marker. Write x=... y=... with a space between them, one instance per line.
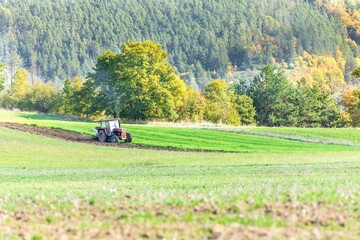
x=76 y=137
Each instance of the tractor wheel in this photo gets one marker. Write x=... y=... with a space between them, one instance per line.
x=101 y=136
x=114 y=139
x=128 y=137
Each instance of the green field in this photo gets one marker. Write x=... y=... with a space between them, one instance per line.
x=321 y=135
x=51 y=188
x=225 y=140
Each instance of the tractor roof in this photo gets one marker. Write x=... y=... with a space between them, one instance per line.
x=108 y=120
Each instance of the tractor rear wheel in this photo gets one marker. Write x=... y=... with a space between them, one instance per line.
x=114 y=139
x=101 y=136
x=128 y=137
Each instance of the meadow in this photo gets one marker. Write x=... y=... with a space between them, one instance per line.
x=224 y=139
x=50 y=188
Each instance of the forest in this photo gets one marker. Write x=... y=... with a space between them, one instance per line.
x=270 y=63
x=139 y=84
x=55 y=40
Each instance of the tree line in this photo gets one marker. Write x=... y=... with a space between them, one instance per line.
x=140 y=84
x=55 y=40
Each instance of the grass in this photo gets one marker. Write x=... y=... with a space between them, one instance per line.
x=52 y=188
x=341 y=135
x=187 y=138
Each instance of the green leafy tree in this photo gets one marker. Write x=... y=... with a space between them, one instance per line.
x=66 y=98
x=139 y=83
x=104 y=77
x=274 y=98
x=356 y=73
x=2 y=76
x=91 y=103
x=76 y=98
x=80 y=98
x=244 y=106
x=317 y=108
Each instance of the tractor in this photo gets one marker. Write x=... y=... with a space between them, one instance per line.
x=111 y=131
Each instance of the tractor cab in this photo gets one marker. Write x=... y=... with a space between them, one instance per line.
x=109 y=125
x=110 y=130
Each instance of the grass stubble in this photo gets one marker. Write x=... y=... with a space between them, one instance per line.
x=51 y=188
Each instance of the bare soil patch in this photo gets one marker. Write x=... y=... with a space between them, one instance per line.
x=76 y=137
x=123 y=220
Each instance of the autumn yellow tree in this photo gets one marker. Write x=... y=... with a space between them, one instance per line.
x=18 y=89
x=20 y=86
x=324 y=70
x=41 y=97
x=351 y=102
x=193 y=107
x=220 y=103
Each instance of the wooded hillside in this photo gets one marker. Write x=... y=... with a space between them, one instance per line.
x=55 y=40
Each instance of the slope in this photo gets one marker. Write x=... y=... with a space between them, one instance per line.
x=183 y=138
x=60 y=39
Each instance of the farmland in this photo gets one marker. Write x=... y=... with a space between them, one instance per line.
x=268 y=187
x=207 y=139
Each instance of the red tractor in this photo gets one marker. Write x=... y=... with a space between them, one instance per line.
x=111 y=131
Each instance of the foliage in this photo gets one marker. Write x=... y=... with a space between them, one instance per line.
x=2 y=76
x=61 y=39
x=41 y=97
x=220 y=103
x=351 y=102
x=245 y=108
x=318 y=108
x=348 y=12
x=17 y=91
x=66 y=94
x=356 y=73
x=193 y=107
x=280 y=103
x=274 y=98
x=323 y=70
x=20 y=86
x=139 y=83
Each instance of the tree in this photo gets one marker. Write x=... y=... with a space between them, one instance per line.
x=103 y=81
x=324 y=70
x=245 y=108
x=20 y=85
x=80 y=97
x=41 y=97
x=2 y=76
x=351 y=102
x=91 y=103
x=139 y=83
x=257 y=33
x=66 y=98
x=356 y=73
x=193 y=107
x=220 y=103
x=317 y=108
x=18 y=89
x=274 y=98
